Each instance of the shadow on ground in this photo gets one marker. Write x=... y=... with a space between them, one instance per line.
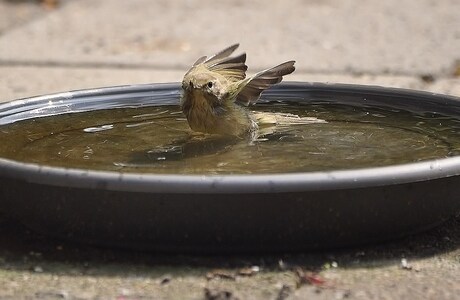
x=22 y=250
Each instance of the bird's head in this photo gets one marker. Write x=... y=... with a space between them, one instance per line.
x=206 y=84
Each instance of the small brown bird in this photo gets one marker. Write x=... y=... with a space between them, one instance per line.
x=216 y=93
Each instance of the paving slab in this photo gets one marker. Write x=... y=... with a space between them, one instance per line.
x=398 y=37
x=26 y=81
x=424 y=266
x=17 y=13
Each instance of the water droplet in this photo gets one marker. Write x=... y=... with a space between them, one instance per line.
x=97 y=129
x=88 y=151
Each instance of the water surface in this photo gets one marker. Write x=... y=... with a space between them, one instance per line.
x=158 y=140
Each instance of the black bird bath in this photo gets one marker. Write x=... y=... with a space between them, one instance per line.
x=220 y=211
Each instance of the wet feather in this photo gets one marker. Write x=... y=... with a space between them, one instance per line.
x=215 y=91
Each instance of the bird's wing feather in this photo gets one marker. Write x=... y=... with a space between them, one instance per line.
x=233 y=68
x=223 y=53
x=200 y=60
x=252 y=87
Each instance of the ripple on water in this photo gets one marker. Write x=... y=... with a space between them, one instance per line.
x=158 y=140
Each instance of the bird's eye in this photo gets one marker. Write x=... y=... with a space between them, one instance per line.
x=209 y=84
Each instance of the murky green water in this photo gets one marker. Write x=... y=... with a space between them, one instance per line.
x=158 y=140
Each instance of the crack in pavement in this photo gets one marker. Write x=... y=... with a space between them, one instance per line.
x=180 y=67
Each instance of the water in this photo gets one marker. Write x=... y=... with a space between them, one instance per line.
x=157 y=139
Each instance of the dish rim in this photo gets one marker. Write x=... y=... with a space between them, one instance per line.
x=229 y=183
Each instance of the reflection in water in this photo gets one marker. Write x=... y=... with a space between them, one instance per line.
x=191 y=146
x=291 y=139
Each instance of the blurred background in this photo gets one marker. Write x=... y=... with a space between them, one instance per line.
x=57 y=45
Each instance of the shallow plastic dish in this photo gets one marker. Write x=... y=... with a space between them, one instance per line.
x=228 y=213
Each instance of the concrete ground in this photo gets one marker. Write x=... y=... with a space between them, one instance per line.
x=47 y=47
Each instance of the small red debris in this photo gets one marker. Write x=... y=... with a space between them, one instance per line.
x=308 y=277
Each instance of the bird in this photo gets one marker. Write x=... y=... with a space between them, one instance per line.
x=216 y=93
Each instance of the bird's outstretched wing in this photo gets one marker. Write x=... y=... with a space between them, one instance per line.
x=233 y=68
x=255 y=85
